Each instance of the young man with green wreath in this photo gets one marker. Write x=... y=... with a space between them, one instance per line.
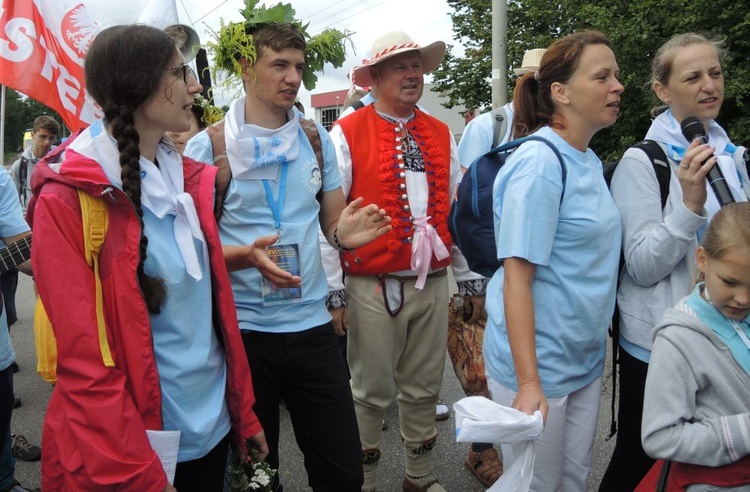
x=277 y=199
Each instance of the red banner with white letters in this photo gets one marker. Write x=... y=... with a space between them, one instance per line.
x=42 y=47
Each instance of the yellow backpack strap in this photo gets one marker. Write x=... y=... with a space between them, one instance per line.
x=95 y=221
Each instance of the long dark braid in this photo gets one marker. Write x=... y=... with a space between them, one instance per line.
x=154 y=288
x=124 y=67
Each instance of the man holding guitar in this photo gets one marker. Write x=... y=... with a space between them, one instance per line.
x=16 y=235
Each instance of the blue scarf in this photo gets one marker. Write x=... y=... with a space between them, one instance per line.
x=719 y=324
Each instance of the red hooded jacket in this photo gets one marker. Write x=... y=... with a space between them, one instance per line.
x=95 y=428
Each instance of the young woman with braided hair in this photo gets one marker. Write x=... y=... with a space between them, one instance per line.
x=177 y=360
x=126 y=135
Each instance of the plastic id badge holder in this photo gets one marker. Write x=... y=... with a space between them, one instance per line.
x=286 y=257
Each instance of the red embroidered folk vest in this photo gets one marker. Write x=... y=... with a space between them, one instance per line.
x=378 y=175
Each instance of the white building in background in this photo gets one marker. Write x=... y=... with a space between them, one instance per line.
x=326 y=107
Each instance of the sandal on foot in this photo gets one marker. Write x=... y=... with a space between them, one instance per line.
x=487 y=466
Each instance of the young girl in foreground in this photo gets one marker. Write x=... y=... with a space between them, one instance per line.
x=697 y=401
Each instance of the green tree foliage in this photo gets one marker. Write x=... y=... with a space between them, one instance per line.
x=636 y=30
x=14 y=121
x=20 y=112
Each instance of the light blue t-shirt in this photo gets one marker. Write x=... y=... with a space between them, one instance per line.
x=576 y=248
x=247 y=216
x=11 y=223
x=190 y=360
x=479 y=134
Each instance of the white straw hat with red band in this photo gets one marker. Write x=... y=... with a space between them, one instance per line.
x=395 y=43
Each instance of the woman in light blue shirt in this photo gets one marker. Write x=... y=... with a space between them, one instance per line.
x=558 y=237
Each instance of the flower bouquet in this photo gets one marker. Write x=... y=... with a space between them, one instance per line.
x=254 y=476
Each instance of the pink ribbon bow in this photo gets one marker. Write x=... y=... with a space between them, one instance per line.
x=425 y=241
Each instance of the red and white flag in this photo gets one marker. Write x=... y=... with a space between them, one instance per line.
x=42 y=47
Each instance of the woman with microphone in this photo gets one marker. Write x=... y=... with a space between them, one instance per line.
x=659 y=242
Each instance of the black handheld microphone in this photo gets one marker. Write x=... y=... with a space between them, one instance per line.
x=693 y=129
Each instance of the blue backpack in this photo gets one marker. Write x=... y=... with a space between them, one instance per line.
x=471 y=219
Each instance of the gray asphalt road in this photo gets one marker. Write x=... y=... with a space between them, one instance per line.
x=449 y=455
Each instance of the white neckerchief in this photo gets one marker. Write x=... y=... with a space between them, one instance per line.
x=254 y=152
x=162 y=189
x=665 y=129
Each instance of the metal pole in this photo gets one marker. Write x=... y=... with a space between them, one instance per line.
x=499 y=52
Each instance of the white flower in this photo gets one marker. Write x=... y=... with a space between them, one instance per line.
x=260 y=479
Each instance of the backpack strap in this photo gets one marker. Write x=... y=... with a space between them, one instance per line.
x=499 y=125
x=659 y=161
x=23 y=174
x=224 y=174
x=23 y=171
x=742 y=165
x=221 y=161
x=741 y=159
x=357 y=105
x=520 y=141
x=515 y=144
x=311 y=131
x=662 y=485
x=95 y=220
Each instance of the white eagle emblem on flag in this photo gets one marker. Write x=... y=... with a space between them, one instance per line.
x=79 y=29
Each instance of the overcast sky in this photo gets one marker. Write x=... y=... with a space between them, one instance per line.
x=424 y=20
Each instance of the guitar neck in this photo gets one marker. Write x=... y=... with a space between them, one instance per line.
x=14 y=254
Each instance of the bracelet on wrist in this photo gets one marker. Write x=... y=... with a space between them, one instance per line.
x=338 y=244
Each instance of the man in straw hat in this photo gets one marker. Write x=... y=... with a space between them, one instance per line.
x=356 y=99
x=392 y=153
x=481 y=135
x=279 y=196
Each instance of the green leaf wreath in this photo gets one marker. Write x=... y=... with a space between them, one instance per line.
x=233 y=42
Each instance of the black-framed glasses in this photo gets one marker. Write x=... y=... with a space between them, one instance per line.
x=187 y=71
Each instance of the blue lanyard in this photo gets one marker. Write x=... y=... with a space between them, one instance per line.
x=277 y=205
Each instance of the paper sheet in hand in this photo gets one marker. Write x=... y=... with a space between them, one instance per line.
x=165 y=444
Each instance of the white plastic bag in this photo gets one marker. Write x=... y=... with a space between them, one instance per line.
x=479 y=419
